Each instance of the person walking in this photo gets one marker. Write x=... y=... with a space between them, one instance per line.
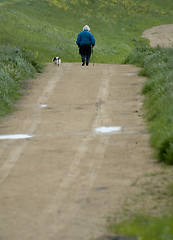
x=85 y=42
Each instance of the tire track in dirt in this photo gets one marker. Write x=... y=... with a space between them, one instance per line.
x=14 y=154
x=87 y=180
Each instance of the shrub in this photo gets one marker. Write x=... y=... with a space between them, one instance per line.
x=16 y=65
x=166 y=151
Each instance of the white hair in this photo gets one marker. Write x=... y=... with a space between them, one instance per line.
x=86 y=27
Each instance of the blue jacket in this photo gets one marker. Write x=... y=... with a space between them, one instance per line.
x=85 y=37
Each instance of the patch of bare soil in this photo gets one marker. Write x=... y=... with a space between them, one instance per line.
x=87 y=157
x=160 y=35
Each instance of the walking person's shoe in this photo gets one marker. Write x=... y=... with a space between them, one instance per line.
x=83 y=63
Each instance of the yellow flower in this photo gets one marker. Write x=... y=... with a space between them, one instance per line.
x=73 y=2
x=36 y=54
x=60 y=4
x=86 y=2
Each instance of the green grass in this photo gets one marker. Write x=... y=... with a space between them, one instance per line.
x=157 y=66
x=146 y=227
x=16 y=65
x=50 y=27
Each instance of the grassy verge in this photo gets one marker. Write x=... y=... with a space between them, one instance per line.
x=149 y=213
x=156 y=221
x=16 y=65
x=147 y=228
x=157 y=66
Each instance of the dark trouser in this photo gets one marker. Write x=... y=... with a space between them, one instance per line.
x=85 y=52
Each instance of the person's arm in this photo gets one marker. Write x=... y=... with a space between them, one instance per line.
x=78 y=40
x=92 y=40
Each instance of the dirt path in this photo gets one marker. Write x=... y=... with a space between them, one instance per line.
x=67 y=178
x=160 y=35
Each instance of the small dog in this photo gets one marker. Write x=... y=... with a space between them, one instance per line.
x=56 y=61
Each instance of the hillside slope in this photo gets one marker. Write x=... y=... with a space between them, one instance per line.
x=50 y=27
